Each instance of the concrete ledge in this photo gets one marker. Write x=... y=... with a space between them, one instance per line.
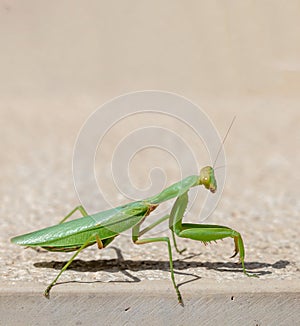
x=153 y=303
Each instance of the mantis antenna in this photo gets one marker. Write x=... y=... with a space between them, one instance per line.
x=223 y=141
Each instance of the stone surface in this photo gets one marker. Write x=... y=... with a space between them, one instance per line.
x=206 y=303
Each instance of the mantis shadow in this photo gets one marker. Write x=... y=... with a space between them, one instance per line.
x=180 y=266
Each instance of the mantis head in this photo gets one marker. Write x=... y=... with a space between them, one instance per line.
x=207 y=178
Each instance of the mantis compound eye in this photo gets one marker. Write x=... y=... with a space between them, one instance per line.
x=207 y=178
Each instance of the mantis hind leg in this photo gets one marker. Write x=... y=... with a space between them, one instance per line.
x=204 y=232
x=49 y=287
x=77 y=208
x=101 y=244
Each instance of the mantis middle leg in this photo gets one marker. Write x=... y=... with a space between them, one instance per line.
x=135 y=238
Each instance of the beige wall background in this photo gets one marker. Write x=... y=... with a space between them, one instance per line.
x=78 y=50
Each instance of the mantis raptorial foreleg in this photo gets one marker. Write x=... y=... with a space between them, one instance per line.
x=204 y=232
x=175 y=244
x=77 y=208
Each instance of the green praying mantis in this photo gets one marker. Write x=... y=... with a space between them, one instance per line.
x=103 y=227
